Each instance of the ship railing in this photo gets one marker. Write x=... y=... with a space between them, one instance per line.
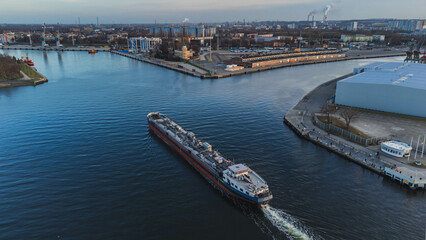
x=257 y=175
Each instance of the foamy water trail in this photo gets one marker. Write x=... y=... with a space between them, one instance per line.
x=285 y=223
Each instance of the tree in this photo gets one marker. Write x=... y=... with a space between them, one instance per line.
x=9 y=68
x=328 y=109
x=348 y=114
x=196 y=49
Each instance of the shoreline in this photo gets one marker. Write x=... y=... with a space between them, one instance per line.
x=298 y=119
x=162 y=63
x=21 y=83
x=199 y=74
x=26 y=80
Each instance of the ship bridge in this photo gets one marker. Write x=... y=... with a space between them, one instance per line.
x=238 y=169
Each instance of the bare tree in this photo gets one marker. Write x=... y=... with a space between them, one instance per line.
x=328 y=109
x=9 y=68
x=348 y=114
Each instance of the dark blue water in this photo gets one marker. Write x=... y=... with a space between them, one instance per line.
x=77 y=160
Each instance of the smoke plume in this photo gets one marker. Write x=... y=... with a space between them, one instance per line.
x=327 y=9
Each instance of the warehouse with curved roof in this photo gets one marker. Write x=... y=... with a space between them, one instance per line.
x=394 y=87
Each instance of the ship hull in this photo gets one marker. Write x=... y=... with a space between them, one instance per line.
x=211 y=177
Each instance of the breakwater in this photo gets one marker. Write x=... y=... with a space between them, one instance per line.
x=157 y=62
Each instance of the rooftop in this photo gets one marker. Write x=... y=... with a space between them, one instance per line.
x=238 y=168
x=412 y=75
x=396 y=145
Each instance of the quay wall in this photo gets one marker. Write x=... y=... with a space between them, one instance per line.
x=300 y=122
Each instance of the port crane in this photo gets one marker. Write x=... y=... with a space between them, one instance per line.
x=413 y=55
x=57 y=39
x=43 y=36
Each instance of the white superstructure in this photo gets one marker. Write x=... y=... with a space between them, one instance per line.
x=395 y=148
x=242 y=178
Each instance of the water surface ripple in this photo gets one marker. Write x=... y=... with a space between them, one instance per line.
x=77 y=160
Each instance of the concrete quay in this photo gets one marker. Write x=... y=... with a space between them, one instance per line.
x=217 y=70
x=299 y=119
x=25 y=80
x=39 y=48
x=210 y=70
x=19 y=83
x=180 y=67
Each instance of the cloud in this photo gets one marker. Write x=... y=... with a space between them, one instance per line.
x=206 y=5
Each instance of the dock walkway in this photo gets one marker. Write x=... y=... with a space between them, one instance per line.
x=161 y=63
x=299 y=119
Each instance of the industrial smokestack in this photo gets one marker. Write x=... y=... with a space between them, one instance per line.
x=326 y=10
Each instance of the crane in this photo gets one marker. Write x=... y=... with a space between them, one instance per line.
x=413 y=55
x=416 y=53
x=43 y=36
x=57 y=39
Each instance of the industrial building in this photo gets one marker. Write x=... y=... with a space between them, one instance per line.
x=284 y=58
x=362 y=38
x=189 y=31
x=410 y=25
x=394 y=87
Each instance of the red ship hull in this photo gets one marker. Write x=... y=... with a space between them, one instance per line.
x=194 y=163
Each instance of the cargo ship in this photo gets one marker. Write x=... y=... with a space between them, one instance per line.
x=236 y=180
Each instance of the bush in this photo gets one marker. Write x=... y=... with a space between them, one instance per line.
x=9 y=68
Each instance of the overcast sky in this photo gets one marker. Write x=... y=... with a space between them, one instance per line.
x=174 y=11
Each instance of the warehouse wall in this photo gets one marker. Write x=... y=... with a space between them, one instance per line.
x=296 y=59
x=381 y=97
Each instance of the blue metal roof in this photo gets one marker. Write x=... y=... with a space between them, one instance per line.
x=411 y=75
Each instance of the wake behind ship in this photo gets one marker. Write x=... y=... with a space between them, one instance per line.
x=237 y=180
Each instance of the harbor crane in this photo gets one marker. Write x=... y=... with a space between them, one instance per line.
x=43 y=36
x=413 y=55
x=57 y=39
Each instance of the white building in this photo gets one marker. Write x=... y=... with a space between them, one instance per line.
x=395 y=87
x=361 y=38
x=354 y=26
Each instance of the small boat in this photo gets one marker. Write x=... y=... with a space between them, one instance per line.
x=396 y=149
x=27 y=61
x=92 y=51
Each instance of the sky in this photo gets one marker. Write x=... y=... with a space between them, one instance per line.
x=174 y=11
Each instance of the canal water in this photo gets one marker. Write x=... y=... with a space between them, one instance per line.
x=77 y=160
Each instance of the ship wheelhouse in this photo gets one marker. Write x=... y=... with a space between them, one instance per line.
x=244 y=180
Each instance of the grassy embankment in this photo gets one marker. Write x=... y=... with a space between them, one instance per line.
x=33 y=74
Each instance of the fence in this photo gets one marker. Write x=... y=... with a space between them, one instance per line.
x=354 y=138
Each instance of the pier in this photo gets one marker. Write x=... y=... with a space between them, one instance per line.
x=179 y=67
x=201 y=71
x=299 y=119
